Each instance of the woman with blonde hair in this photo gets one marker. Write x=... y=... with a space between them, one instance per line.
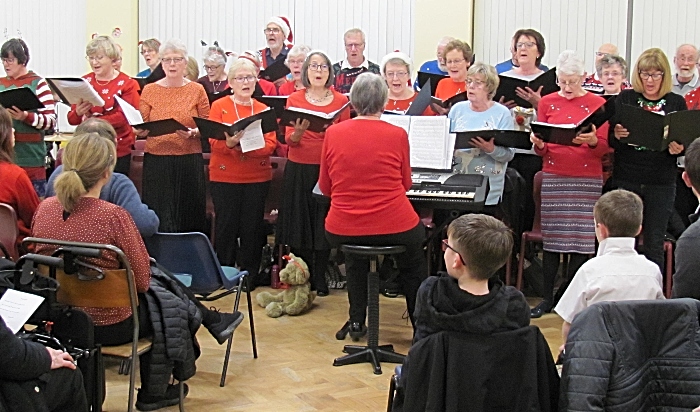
x=101 y=52
x=649 y=173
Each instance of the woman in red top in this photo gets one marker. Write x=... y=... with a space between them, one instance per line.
x=300 y=221
x=573 y=176
x=295 y=61
x=366 y=170
x=16 y=189
x=108 y=82
x=396 y=68
x=239 y=181
x=458 y=57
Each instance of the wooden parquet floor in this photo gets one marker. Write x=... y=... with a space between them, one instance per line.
x=294 y=370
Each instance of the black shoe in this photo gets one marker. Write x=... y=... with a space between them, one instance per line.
x=343 y=332
x=146 y=402
x=223 y=329
x=357 y=331
x=322 y=293
x=543 y=307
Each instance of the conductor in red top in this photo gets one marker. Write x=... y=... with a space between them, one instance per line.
x=366 y=170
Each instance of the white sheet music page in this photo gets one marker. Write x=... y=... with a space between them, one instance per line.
x=16 y=307
x=132 y=115
x=75 y=89
x=253 y=138
x=401 y=121
x=428 y=139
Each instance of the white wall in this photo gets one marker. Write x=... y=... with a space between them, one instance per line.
x=238 y=25
x=55 y=32
x=580 y=25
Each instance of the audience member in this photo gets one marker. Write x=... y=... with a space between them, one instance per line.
x=686 y=78
x=15 y=187
x=649 y=173
x=295 y=61
x=572 y=177
x=173 y=168
x=38 y=378
x=480 y=112
x=355 y=63
x=119 y=190
x=470 y=299
x=214 y=79
x=300 y=219
x=30 y=126
x=686 y=280
x=277 y=31
x=101 y=52
x=149 y=51
x=366 y=171
x=239 y=180
x=617 y=272
x=76 y=214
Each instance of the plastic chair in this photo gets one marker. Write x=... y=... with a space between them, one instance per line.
x=534 y=235
x=116 y=288
x=136 y=170
x=9 y=230
x=191 y=255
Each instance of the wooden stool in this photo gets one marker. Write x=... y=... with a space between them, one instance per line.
x=373 y=352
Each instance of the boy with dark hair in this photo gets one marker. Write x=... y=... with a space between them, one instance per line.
x=686 y=280
x=469 y=299
x=617 y=272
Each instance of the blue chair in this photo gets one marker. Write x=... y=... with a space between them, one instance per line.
x=191 y=258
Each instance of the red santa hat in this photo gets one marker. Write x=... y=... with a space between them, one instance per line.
x=283 y=23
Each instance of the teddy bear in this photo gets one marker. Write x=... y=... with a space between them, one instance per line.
x=295 y=300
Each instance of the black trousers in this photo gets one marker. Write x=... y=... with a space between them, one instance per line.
x=64 y=390
x=239 y=237
x=412 y=267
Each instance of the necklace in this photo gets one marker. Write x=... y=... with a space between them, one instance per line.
x=314 y=100
x=235 y=106
x=216 y=86
x=106 y=82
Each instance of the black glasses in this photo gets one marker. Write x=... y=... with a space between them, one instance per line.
x=446 y=246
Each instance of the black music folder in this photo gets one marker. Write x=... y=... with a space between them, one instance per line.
x=157 y=74
x=161 y=127
x=275 y=71
x=505 y=138
x=215 y=130
x=421 y=102
x=278 y=103
x=22 y=97
x=319 y=121
x=434 y=79
x=218 y=95
x=507 y=86
x=655 y=131
x=459 y=97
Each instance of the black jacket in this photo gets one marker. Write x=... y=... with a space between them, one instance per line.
x=686 y=279
x=23 y=367
x=506 y=371
x=175 y=322
x=442 y=305
x=633 y=356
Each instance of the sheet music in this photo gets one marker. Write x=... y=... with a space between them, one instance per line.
x=401 y=121
x=16 y=307
x=132 y=115
x=76 y=89
x=429 y=142
x=253 y=137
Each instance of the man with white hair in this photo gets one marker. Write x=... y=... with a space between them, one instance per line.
x=435 y=66
x=355 y=63
x=686 y=78
x=277 y=31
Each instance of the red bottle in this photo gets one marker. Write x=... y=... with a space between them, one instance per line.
x=275 y=277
